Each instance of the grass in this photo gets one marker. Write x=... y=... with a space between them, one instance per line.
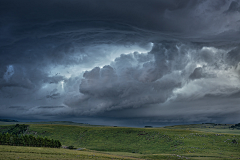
x=174 y=142
x=142 y=140
x=214 y=128
x=17 y=152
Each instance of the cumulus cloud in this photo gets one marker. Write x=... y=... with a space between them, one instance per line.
x=169 y=73
x=124 y=84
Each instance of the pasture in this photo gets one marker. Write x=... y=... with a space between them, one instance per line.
x=174 y=142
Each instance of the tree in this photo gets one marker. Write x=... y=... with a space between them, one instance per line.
x=3 y=139
x=21 y=140
x=52 y=144
x=0 y=139
x=26 y=140
x=32 y=140
x=58 y=144
x=11 y=139
x=45 y=142
x=70 y=147
x=234 y=141
x=7 y=138
x=41 y=141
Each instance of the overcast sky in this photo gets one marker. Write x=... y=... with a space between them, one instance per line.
x=123 y=62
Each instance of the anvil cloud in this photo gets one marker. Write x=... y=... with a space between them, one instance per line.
x=153 y=61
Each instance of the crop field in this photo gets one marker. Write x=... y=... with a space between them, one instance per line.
x=174 y=142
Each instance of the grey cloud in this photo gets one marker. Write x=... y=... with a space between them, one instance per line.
x=132 y=80
x=17 y=107
x=53 y=95
x=20 y=79
x=49 y=107
x=234 y=7
x=54 y=79
x=211 y=109
x=180 y=19
x=197 y=73
x=8 y=74
x=36 y=11
x=101 y=58
x=234 y=55
x=159 y=76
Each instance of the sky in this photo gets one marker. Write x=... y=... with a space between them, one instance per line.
x=120 y=62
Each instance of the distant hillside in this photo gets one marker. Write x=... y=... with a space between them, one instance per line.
x=8 y=120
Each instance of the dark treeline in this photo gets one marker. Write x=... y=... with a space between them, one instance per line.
x=28 y=140
x=237 y=126
x=18 y=129
x=15 y=136
x=14 y=129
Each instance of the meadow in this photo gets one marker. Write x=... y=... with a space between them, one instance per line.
x=173 y=142
x=207 y=127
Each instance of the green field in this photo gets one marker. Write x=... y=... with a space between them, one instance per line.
x=214 y=128
x=173 y=142
x=17 y=152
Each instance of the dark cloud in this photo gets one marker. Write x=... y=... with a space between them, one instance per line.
x=197 y=73
x=171 y=73
x=234 y=7
x=128 y=59
x=49 y=107
x=45 y=11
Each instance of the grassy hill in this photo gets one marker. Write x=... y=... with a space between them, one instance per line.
x=145 y=143
x=208 y=127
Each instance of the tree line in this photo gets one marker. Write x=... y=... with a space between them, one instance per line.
x=28 y=140
x=18 y=129
x=15 y=136
x=237 y=126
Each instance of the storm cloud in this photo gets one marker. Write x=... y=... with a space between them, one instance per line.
x=155 y=60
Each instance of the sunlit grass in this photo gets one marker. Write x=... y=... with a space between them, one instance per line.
x=20 y=152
